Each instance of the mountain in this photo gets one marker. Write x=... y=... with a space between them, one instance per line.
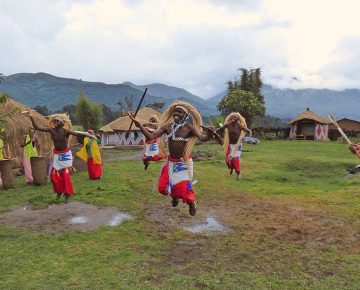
x=55 y=92
x=287 y=103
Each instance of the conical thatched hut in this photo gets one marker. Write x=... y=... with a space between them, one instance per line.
x=309 y=126
x=114 y=133
x=17 y=124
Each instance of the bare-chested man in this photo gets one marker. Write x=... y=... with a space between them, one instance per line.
x=60 y=171
x=176 y=175
x=235 y=129
x=151 y=148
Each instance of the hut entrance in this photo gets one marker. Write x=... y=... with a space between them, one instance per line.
x=305 y=130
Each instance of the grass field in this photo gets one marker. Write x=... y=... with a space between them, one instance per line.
x=294 y=220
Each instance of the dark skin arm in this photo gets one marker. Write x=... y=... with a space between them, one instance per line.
x=203 y=138
x=221 y=129
x=148 y=135
x=39 y=128
x=355 y=148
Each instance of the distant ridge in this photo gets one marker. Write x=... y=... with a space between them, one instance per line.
x=56 y=92
x=286 y=103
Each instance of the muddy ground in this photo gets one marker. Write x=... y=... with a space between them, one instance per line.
x=60 y=218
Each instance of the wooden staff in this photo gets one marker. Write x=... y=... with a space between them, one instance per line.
x=332 y=119
x=138 y=107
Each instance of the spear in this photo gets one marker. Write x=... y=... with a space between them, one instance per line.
x=138 y=107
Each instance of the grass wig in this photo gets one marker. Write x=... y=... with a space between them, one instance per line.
x=167 y=117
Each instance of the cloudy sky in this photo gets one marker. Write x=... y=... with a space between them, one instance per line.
x=194 y=44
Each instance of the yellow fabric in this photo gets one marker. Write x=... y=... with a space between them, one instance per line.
x=29 y=149
x=1 y=149
x=94 y=149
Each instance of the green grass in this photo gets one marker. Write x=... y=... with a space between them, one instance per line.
x=294 y=219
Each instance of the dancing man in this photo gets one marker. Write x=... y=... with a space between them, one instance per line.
x=235 y=129
x=60 y=171
x=151 y=148
x=176 y=175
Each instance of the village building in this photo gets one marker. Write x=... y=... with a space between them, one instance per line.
x=309 y=126
x=115 y=133
x=347 y=125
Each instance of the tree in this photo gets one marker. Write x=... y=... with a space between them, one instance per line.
x=42 y=109
x=156 y=106
x=126 y=105
x=71 y=111
x=241 y=101
x=89 y=115
x=244 y=95
x=109 y=115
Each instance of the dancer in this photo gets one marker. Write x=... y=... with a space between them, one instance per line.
x=176 y=175
x=62 y=161
x=235 y=129
x=90 y=153
x=151 y=148
x=30 y=145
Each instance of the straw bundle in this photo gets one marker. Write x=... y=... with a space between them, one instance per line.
x=17 y=124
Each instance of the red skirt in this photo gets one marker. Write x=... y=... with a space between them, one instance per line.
x=61 y=181
x=94 y=170
x=182 y=190
x=232 y=162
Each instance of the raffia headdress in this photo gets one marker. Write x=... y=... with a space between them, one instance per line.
x=64 y=117
x=167 y=117
x=241 y=122
x=156 y=118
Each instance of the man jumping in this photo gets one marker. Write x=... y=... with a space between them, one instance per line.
x=176 y=175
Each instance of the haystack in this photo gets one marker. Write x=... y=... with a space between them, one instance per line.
x=17 y=124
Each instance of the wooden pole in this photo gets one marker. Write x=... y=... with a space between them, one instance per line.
x=137 y=110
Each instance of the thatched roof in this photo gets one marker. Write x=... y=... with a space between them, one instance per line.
x=123 y=123
x=309 y=115
x=17 y=124
x=106 y=129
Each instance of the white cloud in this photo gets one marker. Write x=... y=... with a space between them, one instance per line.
x=197 y=45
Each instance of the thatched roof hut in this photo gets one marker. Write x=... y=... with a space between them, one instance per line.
x=114 y=133
x=17 y=124
x=309 y=126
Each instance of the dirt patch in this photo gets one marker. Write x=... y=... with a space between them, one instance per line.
x=291 y=224
x=261 y=227
x=167 y=218
x=201 y=156
x=58 y=218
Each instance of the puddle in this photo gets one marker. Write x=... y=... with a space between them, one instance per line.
x=117 y=219
x=210 y=225
x=79 y=220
